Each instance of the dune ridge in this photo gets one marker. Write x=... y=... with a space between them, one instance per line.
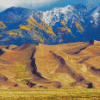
x=73 y=65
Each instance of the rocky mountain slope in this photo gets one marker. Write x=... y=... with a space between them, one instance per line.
x=59 y=25
x=73 y=65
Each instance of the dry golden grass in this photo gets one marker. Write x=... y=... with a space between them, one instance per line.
x=50 y=94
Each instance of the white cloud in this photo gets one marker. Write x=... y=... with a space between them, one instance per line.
x=40 y=3
x=7 y=3
x=10 y=3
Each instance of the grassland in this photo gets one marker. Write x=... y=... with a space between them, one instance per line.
x=50 y=94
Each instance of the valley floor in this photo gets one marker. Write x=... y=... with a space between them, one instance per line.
x=50 y=94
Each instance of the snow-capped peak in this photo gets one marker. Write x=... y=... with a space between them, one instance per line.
x=64 y=9
x=95 y=15
x=62 y=13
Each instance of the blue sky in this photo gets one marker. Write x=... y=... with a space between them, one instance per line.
x=46 y=4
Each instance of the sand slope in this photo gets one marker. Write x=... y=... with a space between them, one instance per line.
x=73 y=65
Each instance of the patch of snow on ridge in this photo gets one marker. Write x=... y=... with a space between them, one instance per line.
x=57 y=14
x=96 y=15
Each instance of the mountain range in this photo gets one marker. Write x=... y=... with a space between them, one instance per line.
x=59 y=25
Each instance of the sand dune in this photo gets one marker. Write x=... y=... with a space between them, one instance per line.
x=73 y=65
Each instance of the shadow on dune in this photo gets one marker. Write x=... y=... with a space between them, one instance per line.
x=35 y=68
x=1 y=51
x=34 y=65
x=95 y=70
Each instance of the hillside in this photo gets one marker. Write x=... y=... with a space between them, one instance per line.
x=68 y=24
x=73 y=65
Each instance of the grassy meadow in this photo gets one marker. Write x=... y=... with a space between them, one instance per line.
x=50 y=94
